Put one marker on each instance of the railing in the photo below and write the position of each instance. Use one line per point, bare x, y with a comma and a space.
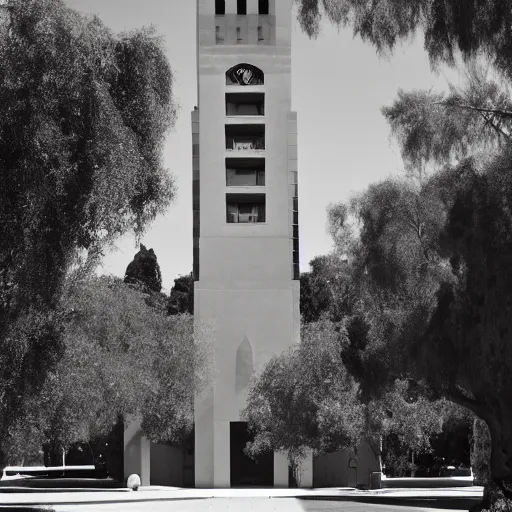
244, 218
233, 144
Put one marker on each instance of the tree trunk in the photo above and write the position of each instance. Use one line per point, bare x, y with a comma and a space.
501, 453
481, 452
373, 438
52, 454
498, 492
375, 443
413, 464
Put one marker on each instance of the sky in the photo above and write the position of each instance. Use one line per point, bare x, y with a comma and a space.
339, 87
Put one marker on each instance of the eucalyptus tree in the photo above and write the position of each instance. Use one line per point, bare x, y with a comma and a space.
122, 357
305, 398
83, 117
308, 399
434, 272
181, 298
450, 27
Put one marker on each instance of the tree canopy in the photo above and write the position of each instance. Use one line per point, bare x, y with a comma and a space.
430, 253
83, 116
122, 357
450, 27
144, 270
432, 260
181, 298
305, 398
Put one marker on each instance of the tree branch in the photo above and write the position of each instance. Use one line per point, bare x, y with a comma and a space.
494, 126
454, 394
482, 111
499, 112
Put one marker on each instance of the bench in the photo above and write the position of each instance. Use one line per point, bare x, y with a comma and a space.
15, 472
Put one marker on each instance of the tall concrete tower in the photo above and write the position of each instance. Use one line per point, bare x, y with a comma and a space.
246, 263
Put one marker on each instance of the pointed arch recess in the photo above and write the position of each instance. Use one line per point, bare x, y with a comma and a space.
244, 365
245, 74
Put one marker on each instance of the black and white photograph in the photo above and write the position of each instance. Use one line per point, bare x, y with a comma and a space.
256, 255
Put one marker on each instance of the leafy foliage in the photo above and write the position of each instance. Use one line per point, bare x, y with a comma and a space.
449, 26
83, 115
181, 299
122, 357
433, 257
433, 262
144, 270
473, 120
325, 289
305, 398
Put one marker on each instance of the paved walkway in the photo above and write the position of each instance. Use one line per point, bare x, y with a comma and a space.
249, 505
154, 495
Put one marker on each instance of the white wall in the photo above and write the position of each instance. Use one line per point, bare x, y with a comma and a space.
245, 288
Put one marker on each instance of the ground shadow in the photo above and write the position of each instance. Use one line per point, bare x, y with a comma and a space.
437, 503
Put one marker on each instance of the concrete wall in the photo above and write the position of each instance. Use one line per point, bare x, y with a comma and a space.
345, 468
245, 289
367, 463
136, 452
264, 319
330, 470
166, 465
433, 482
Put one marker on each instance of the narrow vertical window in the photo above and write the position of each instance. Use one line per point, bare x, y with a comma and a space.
241, 6
238, 35
218, 37
263, 6
260, 34
220, 7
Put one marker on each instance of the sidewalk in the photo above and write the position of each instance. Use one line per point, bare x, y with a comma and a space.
158, 494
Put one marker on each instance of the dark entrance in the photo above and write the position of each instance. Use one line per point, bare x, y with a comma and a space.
246, 472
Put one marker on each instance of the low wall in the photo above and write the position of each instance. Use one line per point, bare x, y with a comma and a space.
404, 483
344, 468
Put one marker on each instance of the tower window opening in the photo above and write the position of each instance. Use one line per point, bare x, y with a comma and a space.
241, 6
220, 7
263, 7
245, 104
245, 172
244, 74
238, 35
245, 208
250, 137
260, 34
245, 178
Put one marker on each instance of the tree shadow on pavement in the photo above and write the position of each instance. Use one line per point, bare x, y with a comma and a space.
307, 503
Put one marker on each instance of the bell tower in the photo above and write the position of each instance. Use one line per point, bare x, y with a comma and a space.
245, 202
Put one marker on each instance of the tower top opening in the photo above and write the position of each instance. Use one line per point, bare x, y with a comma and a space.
220, 7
